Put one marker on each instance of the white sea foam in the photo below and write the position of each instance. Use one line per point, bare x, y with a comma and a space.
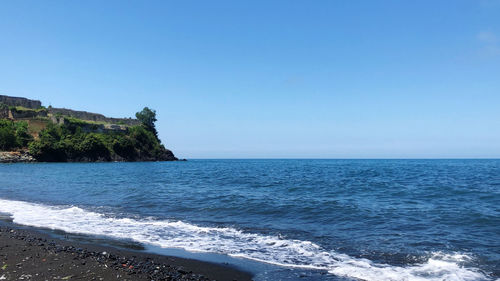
235, 243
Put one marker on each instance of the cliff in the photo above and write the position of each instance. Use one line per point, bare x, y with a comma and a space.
24, 102
33, 132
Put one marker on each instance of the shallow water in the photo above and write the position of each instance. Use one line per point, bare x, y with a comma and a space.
298, 219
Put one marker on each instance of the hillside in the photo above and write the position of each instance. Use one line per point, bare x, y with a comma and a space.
32, 132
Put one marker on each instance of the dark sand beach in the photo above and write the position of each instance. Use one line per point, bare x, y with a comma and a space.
32, 255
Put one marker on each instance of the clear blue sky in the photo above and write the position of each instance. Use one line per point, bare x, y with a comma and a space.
267, 79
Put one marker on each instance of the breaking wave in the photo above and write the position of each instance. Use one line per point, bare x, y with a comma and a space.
233, 242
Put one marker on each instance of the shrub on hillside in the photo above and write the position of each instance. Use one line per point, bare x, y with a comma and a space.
69, 143
77, 140
14, 135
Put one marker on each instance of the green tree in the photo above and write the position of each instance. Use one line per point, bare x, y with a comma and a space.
148, 118
94, 147
124, 147
8, 138
14, 135
50, 147
22, 135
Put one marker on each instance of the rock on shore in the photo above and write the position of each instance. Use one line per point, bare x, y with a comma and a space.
25, 157
15, 157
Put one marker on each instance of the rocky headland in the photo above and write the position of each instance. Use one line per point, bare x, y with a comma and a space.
30, 132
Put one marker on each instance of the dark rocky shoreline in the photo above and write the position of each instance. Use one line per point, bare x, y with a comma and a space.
25, 157
16, 157
30, 255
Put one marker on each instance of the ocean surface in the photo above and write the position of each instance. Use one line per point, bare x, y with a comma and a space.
281, 219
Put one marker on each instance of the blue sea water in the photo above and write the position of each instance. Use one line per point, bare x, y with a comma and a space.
299, 219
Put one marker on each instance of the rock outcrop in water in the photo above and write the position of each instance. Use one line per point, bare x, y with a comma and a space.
31, 132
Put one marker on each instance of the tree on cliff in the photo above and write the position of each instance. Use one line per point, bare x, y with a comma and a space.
14, 135
7, 135
148, 118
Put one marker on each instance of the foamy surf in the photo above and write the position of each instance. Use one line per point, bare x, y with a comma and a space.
235, 243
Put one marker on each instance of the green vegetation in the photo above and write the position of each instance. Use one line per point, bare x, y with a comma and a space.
81, 140
148, 118
70, 143
78, 140
14, 135
25, 109
80, 122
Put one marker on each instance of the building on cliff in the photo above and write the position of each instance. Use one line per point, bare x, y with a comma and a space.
38, 111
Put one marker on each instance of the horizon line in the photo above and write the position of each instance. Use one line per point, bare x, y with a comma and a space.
312, 158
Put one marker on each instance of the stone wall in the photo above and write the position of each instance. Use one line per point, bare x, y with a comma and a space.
35, 104
24, 102
28, 114
92, 128
84, 115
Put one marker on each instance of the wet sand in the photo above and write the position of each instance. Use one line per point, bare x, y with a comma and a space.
32, 255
